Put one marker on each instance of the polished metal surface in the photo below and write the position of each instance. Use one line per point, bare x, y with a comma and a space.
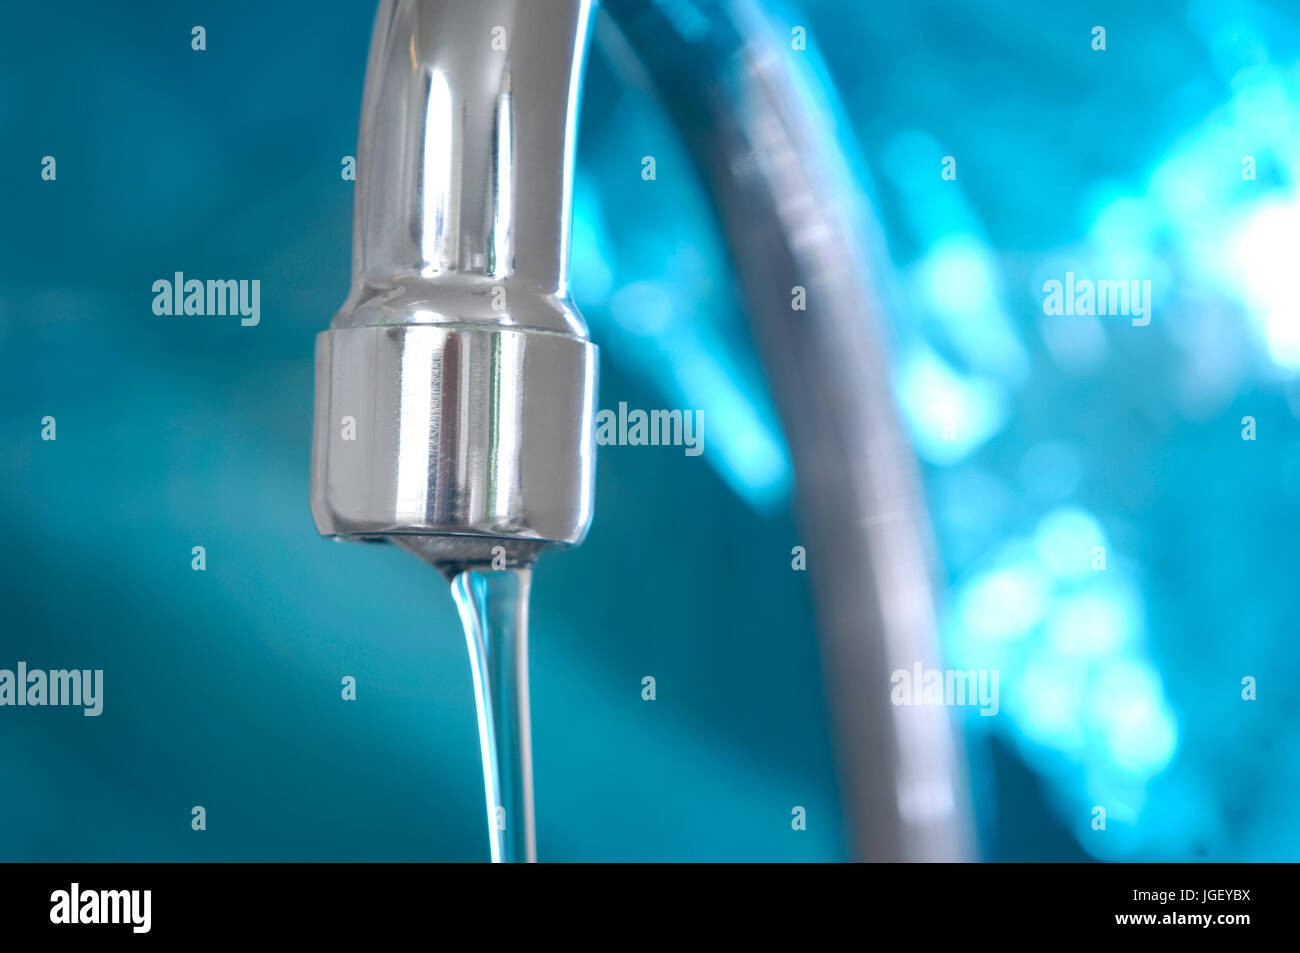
456, 386
459, 430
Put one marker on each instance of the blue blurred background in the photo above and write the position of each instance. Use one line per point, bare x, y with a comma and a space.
1039, 436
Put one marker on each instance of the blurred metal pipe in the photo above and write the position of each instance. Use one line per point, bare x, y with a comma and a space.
771, 158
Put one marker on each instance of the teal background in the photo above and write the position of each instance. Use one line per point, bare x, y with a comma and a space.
222, 688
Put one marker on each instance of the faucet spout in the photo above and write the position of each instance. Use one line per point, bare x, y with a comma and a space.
466, 151
456, 385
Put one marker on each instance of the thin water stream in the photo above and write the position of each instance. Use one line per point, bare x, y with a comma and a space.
493, 607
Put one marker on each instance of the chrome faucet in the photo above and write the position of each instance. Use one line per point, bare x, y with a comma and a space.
456, 386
